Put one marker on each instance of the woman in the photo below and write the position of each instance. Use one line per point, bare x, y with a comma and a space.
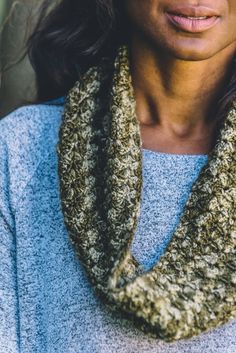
149, 111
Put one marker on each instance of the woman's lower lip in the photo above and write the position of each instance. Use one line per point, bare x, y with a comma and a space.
192, 25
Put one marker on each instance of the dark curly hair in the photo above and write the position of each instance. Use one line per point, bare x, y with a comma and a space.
75, 35
71, 38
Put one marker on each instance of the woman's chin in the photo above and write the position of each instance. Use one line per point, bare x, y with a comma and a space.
192, 51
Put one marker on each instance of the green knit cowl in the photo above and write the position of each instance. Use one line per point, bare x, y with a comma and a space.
192, 288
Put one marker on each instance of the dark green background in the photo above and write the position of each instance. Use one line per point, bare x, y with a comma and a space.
18, 82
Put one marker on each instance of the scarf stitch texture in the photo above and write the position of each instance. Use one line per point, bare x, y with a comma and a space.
193, 286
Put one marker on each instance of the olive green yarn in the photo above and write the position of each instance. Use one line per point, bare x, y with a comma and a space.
193, 287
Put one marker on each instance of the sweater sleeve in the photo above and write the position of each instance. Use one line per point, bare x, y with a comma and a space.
9, 316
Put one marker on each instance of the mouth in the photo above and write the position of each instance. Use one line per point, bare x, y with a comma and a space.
193, 19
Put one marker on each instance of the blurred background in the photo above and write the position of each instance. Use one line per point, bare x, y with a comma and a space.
17, 81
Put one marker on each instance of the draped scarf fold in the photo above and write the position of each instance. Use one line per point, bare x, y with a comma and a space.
192, 288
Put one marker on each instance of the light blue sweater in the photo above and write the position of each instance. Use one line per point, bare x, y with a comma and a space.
46, 303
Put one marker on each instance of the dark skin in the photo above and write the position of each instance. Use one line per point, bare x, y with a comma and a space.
178, 76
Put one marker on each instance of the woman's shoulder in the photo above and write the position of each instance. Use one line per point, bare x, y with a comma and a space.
30, 122
28, 136
31, 128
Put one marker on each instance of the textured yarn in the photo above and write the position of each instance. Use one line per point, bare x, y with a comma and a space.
193, 286
47, 304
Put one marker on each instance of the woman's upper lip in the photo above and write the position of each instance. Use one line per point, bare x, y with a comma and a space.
193, 11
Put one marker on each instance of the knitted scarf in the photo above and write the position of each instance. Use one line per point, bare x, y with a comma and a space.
193, 286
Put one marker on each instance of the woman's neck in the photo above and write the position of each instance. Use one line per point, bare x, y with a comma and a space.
177, 99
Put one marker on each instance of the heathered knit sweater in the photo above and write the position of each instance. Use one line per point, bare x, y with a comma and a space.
47, 304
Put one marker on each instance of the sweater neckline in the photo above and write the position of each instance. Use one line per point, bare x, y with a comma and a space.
173, 155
